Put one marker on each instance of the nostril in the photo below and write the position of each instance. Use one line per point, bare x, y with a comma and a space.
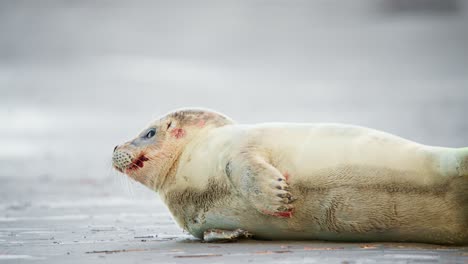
116, 148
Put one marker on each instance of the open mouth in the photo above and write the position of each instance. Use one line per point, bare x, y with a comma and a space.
137, 163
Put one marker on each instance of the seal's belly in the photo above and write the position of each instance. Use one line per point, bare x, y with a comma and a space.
352, 213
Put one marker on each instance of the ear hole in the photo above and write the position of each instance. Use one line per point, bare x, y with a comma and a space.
169, 125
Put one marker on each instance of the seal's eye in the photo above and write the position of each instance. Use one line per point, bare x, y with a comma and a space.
150, 133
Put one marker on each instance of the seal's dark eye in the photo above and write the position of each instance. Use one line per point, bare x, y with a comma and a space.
150, 133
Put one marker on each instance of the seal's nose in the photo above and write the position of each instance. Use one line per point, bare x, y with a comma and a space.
116, 148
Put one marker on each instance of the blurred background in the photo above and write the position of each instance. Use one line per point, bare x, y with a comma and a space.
79, 77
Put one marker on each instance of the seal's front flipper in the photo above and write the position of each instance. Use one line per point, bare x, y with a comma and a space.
220, 236
262, 184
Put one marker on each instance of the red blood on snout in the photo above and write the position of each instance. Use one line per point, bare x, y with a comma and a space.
139, 163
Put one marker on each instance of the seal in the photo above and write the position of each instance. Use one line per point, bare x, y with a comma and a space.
222, 181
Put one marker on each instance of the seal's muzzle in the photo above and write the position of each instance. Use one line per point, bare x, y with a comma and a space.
121, 159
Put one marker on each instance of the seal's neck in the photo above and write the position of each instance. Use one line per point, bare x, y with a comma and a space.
167, 161
174, 153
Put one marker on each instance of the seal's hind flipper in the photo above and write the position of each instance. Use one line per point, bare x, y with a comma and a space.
221, 236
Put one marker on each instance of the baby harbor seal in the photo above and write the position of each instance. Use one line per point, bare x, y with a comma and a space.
222, 181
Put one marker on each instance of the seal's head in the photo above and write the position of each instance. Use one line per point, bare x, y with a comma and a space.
153, 155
